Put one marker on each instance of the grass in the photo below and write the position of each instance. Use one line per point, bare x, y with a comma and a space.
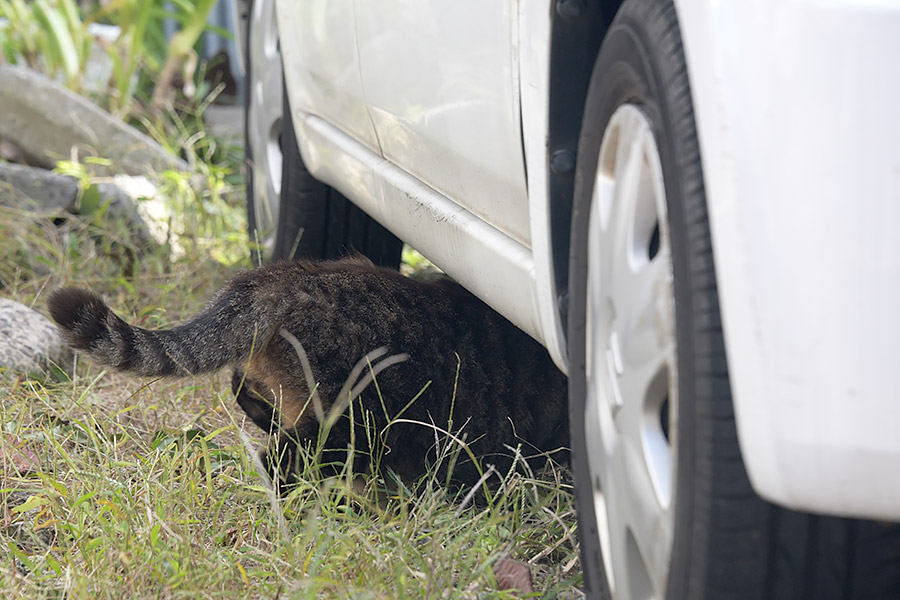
114, 485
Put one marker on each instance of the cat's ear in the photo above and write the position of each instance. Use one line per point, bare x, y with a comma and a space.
357, 259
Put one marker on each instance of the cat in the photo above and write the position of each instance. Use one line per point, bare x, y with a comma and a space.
449, 349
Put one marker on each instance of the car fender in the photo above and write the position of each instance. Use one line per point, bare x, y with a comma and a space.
795, 105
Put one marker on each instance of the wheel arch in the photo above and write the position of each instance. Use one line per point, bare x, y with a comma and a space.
578, 28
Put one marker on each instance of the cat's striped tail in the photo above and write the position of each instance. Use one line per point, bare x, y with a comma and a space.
222, 334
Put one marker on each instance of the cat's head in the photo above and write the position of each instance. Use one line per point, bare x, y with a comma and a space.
279, 459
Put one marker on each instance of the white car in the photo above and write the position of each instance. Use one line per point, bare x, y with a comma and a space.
691, 203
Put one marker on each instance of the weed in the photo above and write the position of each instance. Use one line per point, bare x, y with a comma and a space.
146, 487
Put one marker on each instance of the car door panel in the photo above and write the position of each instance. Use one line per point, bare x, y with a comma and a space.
323, 75
456, 124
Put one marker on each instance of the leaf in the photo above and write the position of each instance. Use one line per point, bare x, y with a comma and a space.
31, 503
17, 552
90, 201
53, 564
84, 498
60, 38
192, 434
63, 490
163, 439
97, 160
243, 574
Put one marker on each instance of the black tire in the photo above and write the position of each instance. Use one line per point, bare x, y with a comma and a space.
728, 543
314, 220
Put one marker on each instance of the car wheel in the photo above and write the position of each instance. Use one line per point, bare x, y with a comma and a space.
665, 506
289, 213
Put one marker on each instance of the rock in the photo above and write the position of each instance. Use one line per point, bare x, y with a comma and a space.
120, 204
46, 121
29, 342
10, 152
31, 187
24, 186
226, 121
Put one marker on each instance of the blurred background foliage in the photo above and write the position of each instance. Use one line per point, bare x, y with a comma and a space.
63, 39
139, 59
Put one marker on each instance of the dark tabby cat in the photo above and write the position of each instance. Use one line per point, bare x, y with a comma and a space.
501, 385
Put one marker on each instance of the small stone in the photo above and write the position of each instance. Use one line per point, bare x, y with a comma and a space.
16, 456
10, 152
29, 342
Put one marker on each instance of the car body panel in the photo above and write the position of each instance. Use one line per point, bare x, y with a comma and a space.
322, 74
456, 126
800, 135
534, 77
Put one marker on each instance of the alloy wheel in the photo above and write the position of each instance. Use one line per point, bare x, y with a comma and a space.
631, 363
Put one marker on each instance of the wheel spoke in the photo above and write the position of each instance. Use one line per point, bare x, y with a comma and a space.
648, 521
648, 328
628, 163
638, 528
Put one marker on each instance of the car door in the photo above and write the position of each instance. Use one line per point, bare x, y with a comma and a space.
323, 70
441, 85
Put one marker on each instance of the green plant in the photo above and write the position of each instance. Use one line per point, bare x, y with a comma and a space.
47, 35
114, 501
180, 50
129, 49
53, 36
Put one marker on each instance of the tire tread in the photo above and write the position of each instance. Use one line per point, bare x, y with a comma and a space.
318, 222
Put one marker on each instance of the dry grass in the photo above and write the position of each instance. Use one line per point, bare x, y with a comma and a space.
115, 486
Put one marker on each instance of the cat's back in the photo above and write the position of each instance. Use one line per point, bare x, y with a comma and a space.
460, 352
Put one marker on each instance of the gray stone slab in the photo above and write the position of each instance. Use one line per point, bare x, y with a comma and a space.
120, 205
35, 188
226, 121
29, 186
47, 121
